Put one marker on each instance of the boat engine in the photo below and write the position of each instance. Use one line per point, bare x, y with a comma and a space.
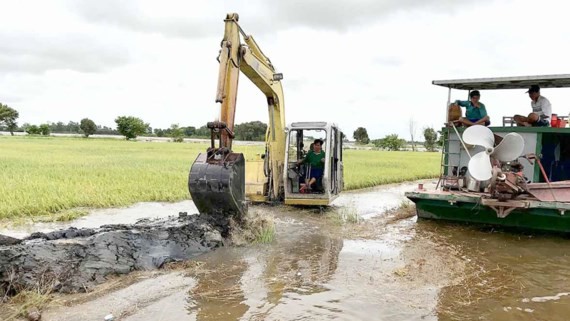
507, 181
497, 163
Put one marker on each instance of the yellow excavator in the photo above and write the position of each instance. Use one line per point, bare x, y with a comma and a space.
220, 181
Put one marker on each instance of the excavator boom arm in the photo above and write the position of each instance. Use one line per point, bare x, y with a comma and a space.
218, 176
249, 59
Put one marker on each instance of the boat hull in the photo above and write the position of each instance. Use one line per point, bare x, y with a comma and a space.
535, 215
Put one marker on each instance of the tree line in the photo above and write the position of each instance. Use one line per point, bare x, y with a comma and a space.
128, 126
132, 127
395, 143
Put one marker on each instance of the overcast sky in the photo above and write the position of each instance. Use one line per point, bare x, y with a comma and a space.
363, 63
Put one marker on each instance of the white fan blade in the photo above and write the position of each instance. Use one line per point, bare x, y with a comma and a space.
510, 148
479, 135
480, 167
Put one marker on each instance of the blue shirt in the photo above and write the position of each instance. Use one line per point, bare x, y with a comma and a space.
472, 112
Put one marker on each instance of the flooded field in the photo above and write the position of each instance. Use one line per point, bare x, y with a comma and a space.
383, 267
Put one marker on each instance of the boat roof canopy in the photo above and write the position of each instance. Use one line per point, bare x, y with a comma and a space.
524, 82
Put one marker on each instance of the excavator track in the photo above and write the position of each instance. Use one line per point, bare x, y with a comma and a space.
217, 184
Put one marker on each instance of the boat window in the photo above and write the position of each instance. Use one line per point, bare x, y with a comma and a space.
556, 156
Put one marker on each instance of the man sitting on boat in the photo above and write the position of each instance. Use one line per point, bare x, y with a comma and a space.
541, 110
475, 113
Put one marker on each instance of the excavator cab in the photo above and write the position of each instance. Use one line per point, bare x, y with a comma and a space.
300, 137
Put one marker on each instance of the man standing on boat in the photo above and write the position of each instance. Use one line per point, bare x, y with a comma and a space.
475, 112
541, 110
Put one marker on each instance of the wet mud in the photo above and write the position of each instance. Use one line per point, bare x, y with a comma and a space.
74, 260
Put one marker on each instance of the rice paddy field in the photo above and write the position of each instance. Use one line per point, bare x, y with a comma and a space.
41, 176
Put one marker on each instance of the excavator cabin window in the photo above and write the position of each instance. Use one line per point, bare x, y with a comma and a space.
306, 171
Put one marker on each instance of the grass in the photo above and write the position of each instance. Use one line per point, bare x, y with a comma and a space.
51, 177
256, 227
26, 303
42, 176
365, 168
406, 210
344, 215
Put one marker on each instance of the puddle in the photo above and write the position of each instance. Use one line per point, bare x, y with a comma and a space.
98, 217
374, 201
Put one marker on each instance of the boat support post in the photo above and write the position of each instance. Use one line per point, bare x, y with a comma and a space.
503, 209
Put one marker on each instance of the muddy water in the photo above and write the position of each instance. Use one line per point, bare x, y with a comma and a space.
509, 276
96, 218
311, 272
382, 268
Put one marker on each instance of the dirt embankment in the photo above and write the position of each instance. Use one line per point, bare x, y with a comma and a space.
74, 260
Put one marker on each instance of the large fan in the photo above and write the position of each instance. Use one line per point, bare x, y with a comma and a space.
510, 148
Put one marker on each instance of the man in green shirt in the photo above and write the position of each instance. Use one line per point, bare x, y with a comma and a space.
475, 113
316, 159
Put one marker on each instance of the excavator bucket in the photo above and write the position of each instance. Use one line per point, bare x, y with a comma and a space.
217, 186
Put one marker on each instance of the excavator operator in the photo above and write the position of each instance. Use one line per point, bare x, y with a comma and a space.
316, 160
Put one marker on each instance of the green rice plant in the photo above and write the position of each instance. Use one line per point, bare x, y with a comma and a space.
343, 215
368, 168
258, 226
43, 176
266, 235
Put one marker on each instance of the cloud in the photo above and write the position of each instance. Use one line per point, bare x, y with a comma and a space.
135, 16
358, 63
341, 15
389, 61
37, 53
184, 19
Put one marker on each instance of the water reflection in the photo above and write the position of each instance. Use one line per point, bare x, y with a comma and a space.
217, 294
510, 276
234, 284
436, 272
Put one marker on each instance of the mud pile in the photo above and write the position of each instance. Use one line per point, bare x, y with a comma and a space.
74, 260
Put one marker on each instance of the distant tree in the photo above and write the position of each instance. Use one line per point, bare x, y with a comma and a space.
176, 133
88, 127
8, 117
73, 127
430, 136
130, 126
44, 129
390, 142
12, 127
159, 132
250, 131
32, 129
361, 135
59, 127
203, 131
442, 137
189, 131
104, 130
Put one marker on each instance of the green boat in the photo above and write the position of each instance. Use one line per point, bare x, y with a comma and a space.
508, 176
